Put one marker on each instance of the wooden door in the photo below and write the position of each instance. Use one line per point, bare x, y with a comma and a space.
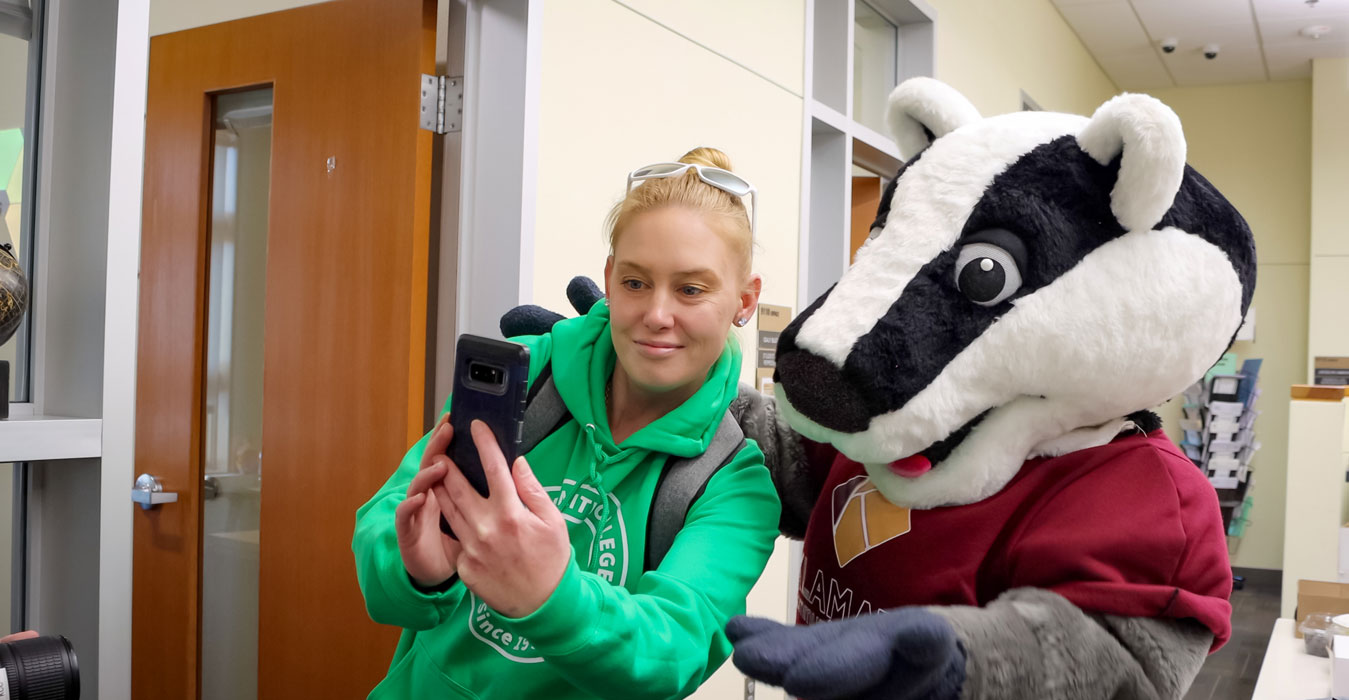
866, 198
344, 329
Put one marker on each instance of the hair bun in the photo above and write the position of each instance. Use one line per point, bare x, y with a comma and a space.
706, 155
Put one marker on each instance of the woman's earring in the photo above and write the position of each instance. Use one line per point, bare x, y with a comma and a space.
606, 301
740, 322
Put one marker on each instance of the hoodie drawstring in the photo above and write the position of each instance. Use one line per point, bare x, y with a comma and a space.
595, 479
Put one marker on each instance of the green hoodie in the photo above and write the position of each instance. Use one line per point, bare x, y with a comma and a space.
610, 629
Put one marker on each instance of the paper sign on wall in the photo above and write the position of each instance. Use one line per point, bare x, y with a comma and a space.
772, 321
1247, 330
1332, 371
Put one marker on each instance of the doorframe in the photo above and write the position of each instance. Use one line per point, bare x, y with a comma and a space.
121, 321
497, 38
486, 256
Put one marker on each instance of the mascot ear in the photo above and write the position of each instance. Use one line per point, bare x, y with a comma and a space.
1148, 133
923, 110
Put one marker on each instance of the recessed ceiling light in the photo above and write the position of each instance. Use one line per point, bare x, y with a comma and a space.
1315, 31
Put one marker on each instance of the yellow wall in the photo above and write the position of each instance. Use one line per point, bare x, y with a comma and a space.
14, 73
765, 37
176, 15
1329, 334
630, 83
991, 50
1254, 143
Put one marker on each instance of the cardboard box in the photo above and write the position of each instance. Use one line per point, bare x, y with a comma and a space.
1318, 597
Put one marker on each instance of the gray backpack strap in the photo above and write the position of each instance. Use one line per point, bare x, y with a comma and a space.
682, 483
544, 411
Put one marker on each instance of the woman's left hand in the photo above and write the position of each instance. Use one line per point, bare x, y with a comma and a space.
515, 545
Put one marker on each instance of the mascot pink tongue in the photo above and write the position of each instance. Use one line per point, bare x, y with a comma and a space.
910, 467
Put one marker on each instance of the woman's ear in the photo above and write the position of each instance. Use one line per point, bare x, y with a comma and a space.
749, 297
608, 270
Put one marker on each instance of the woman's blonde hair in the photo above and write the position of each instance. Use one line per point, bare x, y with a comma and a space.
687, 190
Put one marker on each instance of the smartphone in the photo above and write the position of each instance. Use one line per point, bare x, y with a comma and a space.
490, 378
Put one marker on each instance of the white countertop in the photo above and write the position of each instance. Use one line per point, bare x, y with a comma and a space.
1289, 672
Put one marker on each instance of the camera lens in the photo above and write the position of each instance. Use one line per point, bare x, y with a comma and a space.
486, 374
43, 667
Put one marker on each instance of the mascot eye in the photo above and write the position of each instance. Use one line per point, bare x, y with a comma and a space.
986, 274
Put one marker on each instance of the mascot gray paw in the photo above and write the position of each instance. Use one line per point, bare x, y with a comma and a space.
905, 654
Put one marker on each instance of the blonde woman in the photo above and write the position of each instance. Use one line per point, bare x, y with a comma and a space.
546, 593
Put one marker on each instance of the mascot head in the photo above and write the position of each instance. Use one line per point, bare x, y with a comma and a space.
1033, 284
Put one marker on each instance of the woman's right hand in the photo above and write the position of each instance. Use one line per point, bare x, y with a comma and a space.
428, 554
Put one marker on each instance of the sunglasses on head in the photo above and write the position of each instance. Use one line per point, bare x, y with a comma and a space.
724, 180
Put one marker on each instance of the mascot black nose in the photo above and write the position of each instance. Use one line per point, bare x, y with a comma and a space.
818, 390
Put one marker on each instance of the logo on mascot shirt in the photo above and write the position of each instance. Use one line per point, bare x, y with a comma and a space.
863, 519
580, 507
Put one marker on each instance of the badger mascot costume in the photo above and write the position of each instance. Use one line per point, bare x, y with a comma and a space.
961, 430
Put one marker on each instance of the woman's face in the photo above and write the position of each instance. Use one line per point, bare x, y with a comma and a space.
674, 287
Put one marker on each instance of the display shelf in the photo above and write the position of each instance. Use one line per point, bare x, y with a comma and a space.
30, 438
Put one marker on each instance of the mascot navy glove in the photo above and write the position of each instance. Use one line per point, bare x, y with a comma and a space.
529, 319
905, 654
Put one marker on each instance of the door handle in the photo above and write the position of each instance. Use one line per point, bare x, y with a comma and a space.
149, 493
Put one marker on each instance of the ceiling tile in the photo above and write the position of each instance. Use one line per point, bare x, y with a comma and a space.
1192, 18
1139, 69
1106, 28
1275, 31
1259, 39
1236, 64
1289, 60
1298, 9
1224, 35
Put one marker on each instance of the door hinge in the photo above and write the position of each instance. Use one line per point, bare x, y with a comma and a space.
442, 103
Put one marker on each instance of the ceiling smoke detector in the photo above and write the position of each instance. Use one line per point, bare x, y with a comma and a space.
1315, 31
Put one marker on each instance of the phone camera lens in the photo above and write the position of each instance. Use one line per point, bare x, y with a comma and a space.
484, 373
